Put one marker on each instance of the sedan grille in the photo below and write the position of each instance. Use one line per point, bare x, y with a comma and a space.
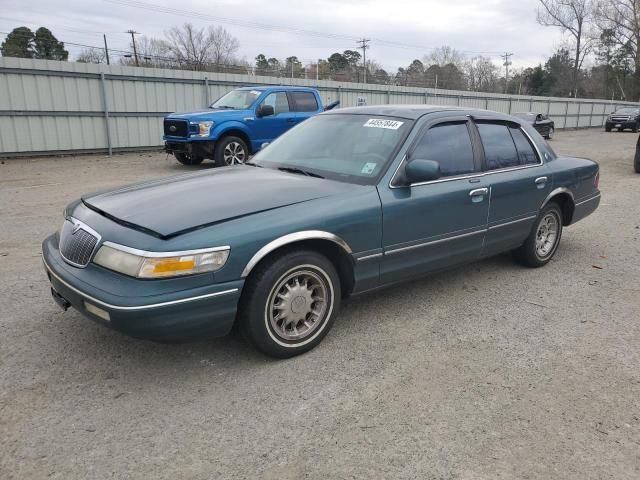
77, 243
176, 128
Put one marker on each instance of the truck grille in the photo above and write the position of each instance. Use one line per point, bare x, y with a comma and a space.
620, 118
77, 244
176, 128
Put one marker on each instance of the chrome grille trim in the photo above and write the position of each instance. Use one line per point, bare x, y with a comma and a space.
78, 242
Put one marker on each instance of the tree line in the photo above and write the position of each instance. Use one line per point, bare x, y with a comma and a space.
599, 58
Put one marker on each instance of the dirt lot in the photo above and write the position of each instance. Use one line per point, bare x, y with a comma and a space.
489, 371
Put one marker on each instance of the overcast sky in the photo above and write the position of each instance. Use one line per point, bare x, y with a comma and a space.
473, 26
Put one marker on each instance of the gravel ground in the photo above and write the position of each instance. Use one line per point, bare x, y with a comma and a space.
488, 371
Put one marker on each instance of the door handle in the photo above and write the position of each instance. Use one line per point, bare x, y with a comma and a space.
478, 192
540, 180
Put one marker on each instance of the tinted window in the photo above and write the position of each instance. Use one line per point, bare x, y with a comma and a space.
499, 149
304, 101
448, 144
278, 101
526, 153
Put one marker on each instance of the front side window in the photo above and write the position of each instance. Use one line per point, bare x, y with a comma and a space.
499, 149
279, 102
449, 144
350, 148
304, 101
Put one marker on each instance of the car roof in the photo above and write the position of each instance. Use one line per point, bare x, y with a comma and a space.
262, 88
414, 112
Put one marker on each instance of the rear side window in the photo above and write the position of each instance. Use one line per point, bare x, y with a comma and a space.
449, 144
304, 101
499, 149
526, 153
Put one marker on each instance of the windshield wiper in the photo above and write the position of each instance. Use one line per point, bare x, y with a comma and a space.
299, 171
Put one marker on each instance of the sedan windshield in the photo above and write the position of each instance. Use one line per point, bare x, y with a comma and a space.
348, 148
236, 100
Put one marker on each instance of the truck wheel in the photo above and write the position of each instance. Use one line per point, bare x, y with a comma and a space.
607, 128
231, 151
636, 163
188, 159
289, 303
635, 128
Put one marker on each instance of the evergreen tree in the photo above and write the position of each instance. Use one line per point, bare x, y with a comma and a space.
19, 43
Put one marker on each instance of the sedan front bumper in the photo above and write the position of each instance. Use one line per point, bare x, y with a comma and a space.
176, 316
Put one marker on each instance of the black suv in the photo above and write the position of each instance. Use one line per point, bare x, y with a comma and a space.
623, 119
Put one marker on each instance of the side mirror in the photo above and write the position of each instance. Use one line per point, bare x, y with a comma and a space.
418, 171
265, 110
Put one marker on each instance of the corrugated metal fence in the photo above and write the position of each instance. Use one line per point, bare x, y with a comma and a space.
62, 107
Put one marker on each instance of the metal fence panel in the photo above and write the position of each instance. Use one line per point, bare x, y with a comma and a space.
48, 106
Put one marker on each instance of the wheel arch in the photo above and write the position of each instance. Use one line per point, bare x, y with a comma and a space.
330, 245
563, 197
236, 132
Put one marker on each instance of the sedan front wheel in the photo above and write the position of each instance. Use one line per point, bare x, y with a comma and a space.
289, 303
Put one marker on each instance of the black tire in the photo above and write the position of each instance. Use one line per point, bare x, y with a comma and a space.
529, 254
188, 159
285, 273
234, 144
635, 128
636, 161
550, 133
607, 129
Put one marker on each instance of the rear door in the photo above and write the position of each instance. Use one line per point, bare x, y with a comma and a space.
436, 224
519, 182
266, 129
305, 104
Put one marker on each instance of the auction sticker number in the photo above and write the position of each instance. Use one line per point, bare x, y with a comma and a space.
381, 123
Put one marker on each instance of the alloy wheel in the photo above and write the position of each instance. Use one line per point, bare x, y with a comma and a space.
299, 303
234, 154
547, 235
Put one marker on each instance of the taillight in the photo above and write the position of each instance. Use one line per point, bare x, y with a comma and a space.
596, 180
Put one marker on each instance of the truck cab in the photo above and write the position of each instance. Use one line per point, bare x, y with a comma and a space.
237, 124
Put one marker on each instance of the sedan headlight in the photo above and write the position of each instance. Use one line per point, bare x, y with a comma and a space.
204, 128
140, 264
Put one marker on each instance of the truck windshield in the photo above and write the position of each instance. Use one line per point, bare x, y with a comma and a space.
350, 148
236, 100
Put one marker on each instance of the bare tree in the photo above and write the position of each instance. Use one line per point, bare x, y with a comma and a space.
482, 74
574, 17
621, 20
444, 55
91, 55
196, 48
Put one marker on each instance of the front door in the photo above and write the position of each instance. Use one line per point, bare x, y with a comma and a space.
266, 129
436, 224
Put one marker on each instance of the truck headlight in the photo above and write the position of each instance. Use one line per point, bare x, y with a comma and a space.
204, 128
140, 264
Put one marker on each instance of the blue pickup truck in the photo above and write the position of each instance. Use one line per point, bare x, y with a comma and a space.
239, 123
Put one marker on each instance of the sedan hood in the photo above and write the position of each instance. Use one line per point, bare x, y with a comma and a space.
176, 205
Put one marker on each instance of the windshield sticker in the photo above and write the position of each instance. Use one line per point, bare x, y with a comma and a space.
380, 123
369, 167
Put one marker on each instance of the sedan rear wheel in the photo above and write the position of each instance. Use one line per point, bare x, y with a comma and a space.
289, 303
543, 241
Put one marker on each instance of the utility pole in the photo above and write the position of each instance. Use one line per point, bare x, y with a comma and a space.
106, 49
506, 64
318, 70
364, 44
133, 41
